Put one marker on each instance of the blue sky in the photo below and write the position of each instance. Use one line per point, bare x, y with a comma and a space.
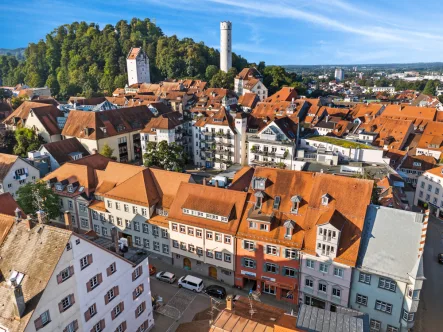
277, 31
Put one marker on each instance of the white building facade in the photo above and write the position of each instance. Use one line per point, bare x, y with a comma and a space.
137, 64
17, 172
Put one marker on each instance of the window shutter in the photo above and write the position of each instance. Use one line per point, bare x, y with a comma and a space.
140, 270
136, 312
106, 299
124, 326
102, 324
60, 307
243, 244
38, 323
276, 268
134, 294
243, 262
65, 329
59, 278
71, 271
283, 271
88, 286
76, 325
144, 305
264, 267
142, 288
255, 263
113, 314
87, 315
116, 291
122, 306
72, 299
133, 275
108, 271
89, 258
99, 278
264, 249
278, 251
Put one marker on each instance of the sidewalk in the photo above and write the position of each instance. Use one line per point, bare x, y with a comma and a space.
161, 265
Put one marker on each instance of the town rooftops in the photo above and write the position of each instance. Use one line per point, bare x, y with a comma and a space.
248, 73
165, 121
34, 253
86, 101
6, 220
61, 150
391, 132
420, 115
379, 254
420, 163
8, 205
210, 202
284, 94
98, 125
438, 171
248, 100
47, 115
6, 162
133, 53
432, 137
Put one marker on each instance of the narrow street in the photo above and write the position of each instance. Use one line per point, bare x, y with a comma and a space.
430, 311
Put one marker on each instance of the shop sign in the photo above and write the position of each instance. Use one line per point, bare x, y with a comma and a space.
268, 278
247, 273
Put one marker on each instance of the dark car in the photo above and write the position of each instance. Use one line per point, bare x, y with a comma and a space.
440, 258
215, 291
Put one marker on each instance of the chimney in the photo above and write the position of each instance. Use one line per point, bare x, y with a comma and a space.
18, 299
18, 214
216, 183
204, 181
229, 302
28, 223
68, 220
114, 236
41, 217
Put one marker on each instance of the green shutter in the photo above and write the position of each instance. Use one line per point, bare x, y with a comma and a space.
264, 267
243, 262
276, 268
255, 264
283, 271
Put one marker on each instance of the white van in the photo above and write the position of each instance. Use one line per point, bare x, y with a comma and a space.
192, 283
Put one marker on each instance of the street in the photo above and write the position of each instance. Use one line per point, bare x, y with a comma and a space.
181, 305
429, 316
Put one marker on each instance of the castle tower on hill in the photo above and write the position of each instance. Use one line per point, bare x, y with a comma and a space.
137, 64
225, 46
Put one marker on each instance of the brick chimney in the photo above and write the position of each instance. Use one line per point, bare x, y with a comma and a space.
18, 214
114, 236
229, 302
68, 220
18, 299
41, 217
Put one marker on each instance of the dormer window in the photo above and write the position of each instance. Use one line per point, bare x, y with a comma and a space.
295, 200
276, 202
70, 188
289, 228
325, 199
259, 199
258, 183
58, 186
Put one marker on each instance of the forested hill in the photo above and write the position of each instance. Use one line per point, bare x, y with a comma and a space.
79, 58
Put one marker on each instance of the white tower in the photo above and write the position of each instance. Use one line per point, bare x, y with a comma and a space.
137, 64
225, 46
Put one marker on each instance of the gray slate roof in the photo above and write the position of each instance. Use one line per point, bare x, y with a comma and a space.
390, 242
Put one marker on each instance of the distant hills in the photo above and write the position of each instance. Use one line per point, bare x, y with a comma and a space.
19, 53
418, 66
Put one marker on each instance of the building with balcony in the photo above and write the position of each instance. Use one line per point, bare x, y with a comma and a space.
136, 201
219, 139
249, 80
74, 183
274, 145
15, 172
388, 279
56, 280
203, 221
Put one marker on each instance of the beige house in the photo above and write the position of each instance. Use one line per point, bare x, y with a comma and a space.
15, 172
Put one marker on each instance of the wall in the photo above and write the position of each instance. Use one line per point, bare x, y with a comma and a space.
11, 185
34, 123
76, 284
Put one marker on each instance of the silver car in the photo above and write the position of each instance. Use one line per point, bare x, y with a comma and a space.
166, 277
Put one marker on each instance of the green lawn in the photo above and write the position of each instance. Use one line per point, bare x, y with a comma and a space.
341, 142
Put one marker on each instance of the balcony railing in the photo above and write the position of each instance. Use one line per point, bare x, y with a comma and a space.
259, 140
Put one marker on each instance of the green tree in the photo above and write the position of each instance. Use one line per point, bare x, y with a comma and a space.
5, 94
17, 101
26, 140
211, 70
167, 156
7, 141
33, 197
107, 151
224, 80
430, 87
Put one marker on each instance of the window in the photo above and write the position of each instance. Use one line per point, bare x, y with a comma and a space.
250, 263
146, 228
117, 310
289, 272
198, 233
119, 221
110, 295
361, 299
383, 306
66, 302
65, 274
97, 229
324, 268
165, 248
98, 327
155, 230
322, 287
112, 268
44, 317
252, 224
227, 258
191, 231
126, 207
391, 328
227, 239
93, 282
336, 292
310, 263
140, 309
128, 224
146, 243
137, 241
104, 231
264, 227
134, 210
174, 227
271, 268
271, 250
387, 284
218, 255
209, 253
136, 226
429, 187
109, 204
413, 294
218, 237
156, 246
365, 278
85, 261
338, 272
117, 205
95, 215
309, 283
199, 251
375, 325
291, 253
248, 245
144, 212
422, 185
72, 327
408, 316
164, 233
209, 235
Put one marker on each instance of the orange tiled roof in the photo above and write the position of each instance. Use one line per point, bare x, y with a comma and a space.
284, 94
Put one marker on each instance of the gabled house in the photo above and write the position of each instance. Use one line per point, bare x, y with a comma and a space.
249, 80
15, 172
8, 206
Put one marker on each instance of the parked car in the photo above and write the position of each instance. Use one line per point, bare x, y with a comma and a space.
215, 291
192, 283
166, 277
440, 258
152, 270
